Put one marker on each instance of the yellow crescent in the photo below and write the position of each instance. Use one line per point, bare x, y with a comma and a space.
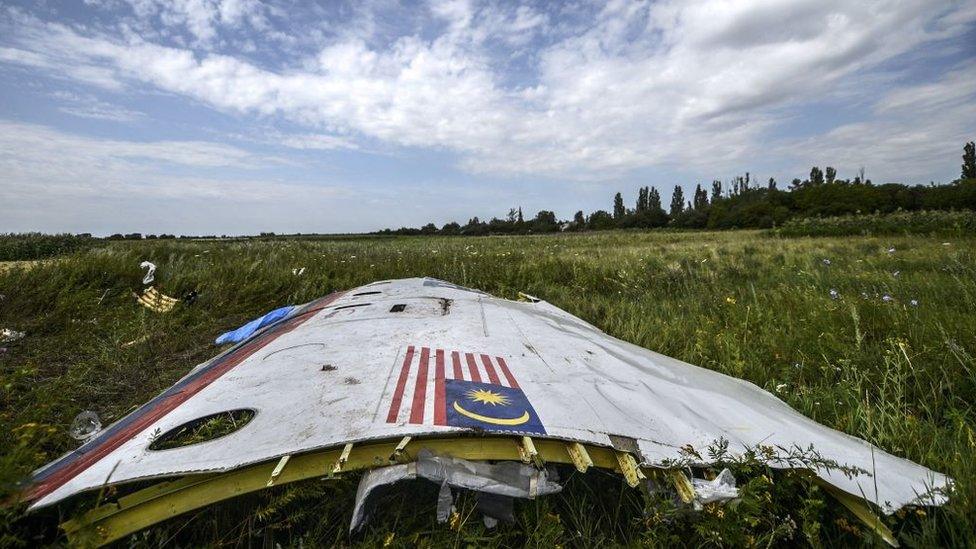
493, 420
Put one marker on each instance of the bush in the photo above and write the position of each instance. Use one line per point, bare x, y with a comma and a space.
900, 222
27, 246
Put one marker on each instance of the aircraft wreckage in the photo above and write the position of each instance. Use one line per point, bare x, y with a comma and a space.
420, 377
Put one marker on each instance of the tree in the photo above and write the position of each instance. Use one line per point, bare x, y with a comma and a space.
654, 201
677, 201
772, 184
451, 228
600, 220
642, 198
619, 211
716, 190
429, 228
579, 222
816, 176
701, 198
831, 175
969, 161
521, 220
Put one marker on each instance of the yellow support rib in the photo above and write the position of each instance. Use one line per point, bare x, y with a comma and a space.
628, 467
157, 503
861, 510
581, 459
684, 487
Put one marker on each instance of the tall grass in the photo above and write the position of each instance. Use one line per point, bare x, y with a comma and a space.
898, 372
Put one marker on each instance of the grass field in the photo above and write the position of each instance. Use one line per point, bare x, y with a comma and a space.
897, 371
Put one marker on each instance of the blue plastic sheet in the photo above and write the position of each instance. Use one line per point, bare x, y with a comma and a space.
245, 331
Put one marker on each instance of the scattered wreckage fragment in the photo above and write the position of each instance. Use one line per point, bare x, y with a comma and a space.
423, 371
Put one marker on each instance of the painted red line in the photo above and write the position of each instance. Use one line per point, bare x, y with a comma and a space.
508, 374
492, 375
72, 470
420, 390
391, 417
472, 367
440, 411
456, 359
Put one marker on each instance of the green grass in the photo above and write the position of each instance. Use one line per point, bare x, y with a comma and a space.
748, 304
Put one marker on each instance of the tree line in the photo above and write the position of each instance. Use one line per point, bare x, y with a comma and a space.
741, 202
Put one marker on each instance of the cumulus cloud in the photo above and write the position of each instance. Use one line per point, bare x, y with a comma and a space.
602, 89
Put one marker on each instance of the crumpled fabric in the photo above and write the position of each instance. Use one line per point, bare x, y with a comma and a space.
495, 483
247, 330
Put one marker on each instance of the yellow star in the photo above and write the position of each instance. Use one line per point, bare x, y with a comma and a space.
488, 397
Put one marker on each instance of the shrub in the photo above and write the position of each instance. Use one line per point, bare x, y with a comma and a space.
900, 222
27, 246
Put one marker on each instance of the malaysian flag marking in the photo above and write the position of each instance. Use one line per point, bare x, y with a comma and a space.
457, 389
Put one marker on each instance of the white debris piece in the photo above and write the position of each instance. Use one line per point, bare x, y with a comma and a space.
150, 273
720, 488
424, 358
8, 336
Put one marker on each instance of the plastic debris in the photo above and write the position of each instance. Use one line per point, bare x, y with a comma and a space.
247, 330
150, 274
445, 503
721, 488
85, 426
7, 335
495, 483
155, 301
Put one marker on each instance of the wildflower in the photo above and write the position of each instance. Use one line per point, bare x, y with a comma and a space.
896, 273
730, 300
887, 298
826, 262
891, 250
780, 387
913, 303
834, 294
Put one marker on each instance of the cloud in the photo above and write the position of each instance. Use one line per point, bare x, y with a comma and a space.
914, 128
89, 106
603, 89
55, 180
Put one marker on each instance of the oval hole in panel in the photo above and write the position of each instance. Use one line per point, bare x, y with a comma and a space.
203, 429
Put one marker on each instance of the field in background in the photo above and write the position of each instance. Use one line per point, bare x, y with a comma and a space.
870, 335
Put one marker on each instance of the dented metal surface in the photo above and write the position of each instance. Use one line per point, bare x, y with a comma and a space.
420, 358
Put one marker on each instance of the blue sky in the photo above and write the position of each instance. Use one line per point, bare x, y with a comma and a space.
241, 116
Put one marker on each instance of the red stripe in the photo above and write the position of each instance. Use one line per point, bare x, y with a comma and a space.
420, 390
508, 375
58, 479
440, 412
391, 417
456, 359
472, 367
492, 375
